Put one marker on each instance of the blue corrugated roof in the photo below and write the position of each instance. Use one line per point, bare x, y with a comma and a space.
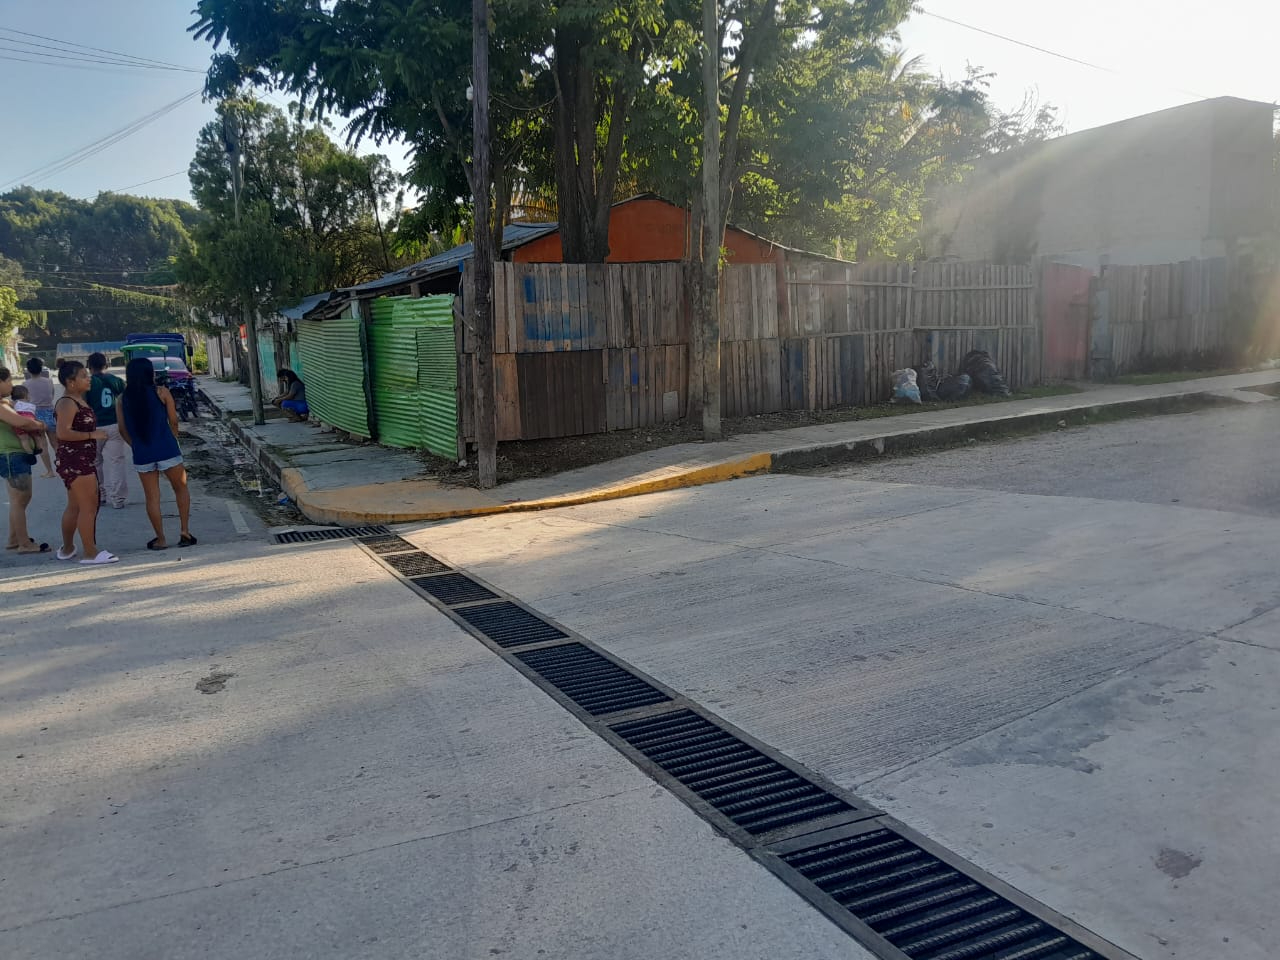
304, 306
513, 235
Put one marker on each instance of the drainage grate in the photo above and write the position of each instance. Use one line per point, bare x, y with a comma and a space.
415, 564
330, 533
385, 545
901, 896
755, 792
507, 624
925, 907
451, 588
595, 683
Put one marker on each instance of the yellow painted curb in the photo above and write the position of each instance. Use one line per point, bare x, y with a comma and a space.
312, 505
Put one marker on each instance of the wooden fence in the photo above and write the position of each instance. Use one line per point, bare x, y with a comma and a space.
1154, 316
588, 348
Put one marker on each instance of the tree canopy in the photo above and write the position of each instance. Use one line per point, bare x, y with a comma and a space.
831, 139
310, 212
94, 269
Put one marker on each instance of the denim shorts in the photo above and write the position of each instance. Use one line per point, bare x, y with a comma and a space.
48, 418
13, 466
160, 466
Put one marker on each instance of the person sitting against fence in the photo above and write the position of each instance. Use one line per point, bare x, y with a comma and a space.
294, 399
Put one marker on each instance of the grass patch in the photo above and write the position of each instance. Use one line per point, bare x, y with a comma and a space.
1172, 376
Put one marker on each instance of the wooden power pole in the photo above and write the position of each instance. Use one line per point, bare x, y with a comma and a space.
482, 262
711, 232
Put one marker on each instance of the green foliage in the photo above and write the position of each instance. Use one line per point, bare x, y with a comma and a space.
92, 270
309, 212
830, 139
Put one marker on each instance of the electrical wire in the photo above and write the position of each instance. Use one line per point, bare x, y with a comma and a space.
1046, 50
167, 176
136, 72
76, 57
62, 44
68, 161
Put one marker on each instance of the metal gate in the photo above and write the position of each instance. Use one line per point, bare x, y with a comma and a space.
1064, 291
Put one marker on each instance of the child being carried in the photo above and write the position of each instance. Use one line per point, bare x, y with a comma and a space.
24, 408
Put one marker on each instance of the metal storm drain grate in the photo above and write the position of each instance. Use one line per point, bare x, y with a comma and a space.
451, 588
755, 792
415, 564
900, 895
330, 533
509, 625
388, 544
595, 683
923, 906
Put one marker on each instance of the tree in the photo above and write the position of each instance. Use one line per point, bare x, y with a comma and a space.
13, 288
310, 212
401, 68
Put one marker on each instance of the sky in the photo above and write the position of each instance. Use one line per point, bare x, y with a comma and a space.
1145, 54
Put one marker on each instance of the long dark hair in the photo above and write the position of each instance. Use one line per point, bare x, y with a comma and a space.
139, 387
288, 376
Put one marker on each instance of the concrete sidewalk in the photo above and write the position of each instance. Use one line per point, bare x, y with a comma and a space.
337, 481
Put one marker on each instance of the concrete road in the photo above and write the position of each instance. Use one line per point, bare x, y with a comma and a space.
1223, 458
364, 781
1077, 693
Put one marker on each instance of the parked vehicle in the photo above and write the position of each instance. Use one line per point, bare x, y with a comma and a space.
168, 355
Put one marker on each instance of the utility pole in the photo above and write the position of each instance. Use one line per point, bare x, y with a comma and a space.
231, 139
711, 232
482, 244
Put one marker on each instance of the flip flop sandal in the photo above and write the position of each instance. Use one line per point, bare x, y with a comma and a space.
103, 557
41, 548
186, 540
151, 544
70, 556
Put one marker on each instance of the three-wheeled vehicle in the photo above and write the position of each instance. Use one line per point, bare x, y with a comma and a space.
168, 355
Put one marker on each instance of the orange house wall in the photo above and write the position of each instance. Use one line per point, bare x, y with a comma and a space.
650, 230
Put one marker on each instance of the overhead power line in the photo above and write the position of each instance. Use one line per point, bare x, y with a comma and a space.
134, 71
1045, 50
97, 146
143, 183
84, 51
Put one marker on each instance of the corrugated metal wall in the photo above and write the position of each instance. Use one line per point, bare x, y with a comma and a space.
333, 355
415, 372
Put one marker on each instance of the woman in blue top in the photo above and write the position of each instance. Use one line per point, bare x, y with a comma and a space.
148, 423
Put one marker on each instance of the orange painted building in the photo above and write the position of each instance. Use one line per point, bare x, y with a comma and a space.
648, 229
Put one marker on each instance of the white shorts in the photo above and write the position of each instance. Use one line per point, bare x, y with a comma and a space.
160, 466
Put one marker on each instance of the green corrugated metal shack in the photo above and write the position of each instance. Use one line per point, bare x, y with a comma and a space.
415, 373
333, 354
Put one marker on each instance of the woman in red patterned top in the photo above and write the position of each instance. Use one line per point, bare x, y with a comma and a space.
78, 438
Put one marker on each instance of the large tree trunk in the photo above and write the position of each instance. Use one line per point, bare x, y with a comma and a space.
585, 175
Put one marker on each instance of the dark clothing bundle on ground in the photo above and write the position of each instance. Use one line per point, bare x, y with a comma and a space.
977, 372
982, 371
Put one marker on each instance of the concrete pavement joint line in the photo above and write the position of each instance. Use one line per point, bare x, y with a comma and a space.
337, 858
765, 803
1248, 643
1253, 616
1133, 668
